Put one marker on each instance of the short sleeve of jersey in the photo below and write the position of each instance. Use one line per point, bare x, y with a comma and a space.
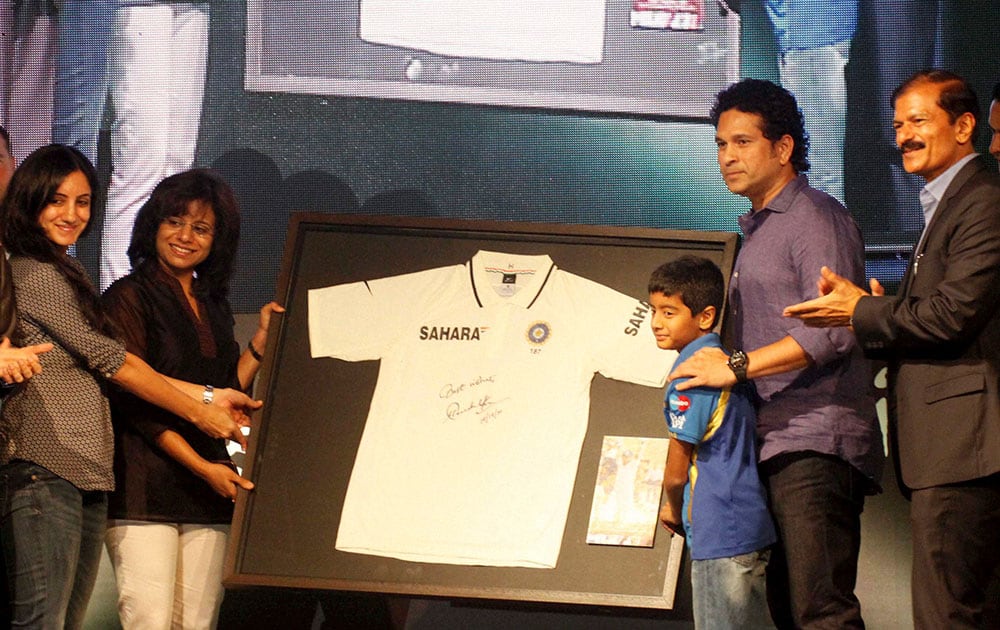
625, 348
689, 412
343, 322
359, 320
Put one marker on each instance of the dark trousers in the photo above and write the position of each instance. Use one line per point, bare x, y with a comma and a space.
816, 501
956, 549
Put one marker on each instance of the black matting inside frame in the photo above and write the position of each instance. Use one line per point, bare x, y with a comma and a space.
303, 444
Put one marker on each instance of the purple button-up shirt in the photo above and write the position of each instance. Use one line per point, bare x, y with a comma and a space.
828, 407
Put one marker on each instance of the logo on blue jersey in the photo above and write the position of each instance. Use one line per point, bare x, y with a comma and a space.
539, 333
677, 404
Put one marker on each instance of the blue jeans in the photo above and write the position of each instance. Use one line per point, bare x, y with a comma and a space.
81, 82
816, 77
52, 535
730, 592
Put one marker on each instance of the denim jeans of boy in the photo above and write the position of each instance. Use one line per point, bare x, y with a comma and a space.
52, 535
731, 592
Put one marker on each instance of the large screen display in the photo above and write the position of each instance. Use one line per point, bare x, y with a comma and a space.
317, 105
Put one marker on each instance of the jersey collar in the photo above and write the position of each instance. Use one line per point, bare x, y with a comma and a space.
500, 278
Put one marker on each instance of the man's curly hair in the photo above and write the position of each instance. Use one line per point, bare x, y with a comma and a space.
776, 106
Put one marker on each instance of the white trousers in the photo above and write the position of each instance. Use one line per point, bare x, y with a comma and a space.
157, 68
169, 575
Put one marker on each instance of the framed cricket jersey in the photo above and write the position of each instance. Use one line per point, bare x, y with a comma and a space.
436, 402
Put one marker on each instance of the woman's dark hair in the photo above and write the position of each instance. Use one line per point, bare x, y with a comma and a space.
171, 198
31, 189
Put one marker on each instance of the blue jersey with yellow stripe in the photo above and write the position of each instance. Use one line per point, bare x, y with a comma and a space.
725, 509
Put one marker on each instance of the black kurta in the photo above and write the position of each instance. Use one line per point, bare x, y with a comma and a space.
158, 325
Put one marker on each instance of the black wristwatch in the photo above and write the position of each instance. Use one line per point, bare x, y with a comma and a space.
738, 363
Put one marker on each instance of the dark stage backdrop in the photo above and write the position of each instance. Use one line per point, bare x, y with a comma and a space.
288, 151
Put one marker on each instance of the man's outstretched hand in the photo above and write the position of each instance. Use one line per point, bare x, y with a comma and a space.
835, 306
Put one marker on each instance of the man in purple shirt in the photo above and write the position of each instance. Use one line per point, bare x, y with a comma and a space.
821, 446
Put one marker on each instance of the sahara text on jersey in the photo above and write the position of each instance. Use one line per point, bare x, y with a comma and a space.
449, 333
637, 319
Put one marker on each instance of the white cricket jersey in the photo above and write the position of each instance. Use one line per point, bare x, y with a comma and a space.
524, 30
470, 450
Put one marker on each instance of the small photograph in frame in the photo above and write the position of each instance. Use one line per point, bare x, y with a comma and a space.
627, 492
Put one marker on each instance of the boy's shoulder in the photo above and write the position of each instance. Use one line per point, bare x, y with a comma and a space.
688, 412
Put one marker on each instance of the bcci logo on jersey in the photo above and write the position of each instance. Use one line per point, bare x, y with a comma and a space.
677, 405
539, 333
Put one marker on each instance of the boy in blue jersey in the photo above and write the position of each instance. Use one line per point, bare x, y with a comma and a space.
713, 494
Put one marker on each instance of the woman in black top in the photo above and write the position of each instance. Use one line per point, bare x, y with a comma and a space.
175, 487
56, 439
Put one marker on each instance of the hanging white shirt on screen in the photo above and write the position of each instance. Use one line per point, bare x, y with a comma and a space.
521, 30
